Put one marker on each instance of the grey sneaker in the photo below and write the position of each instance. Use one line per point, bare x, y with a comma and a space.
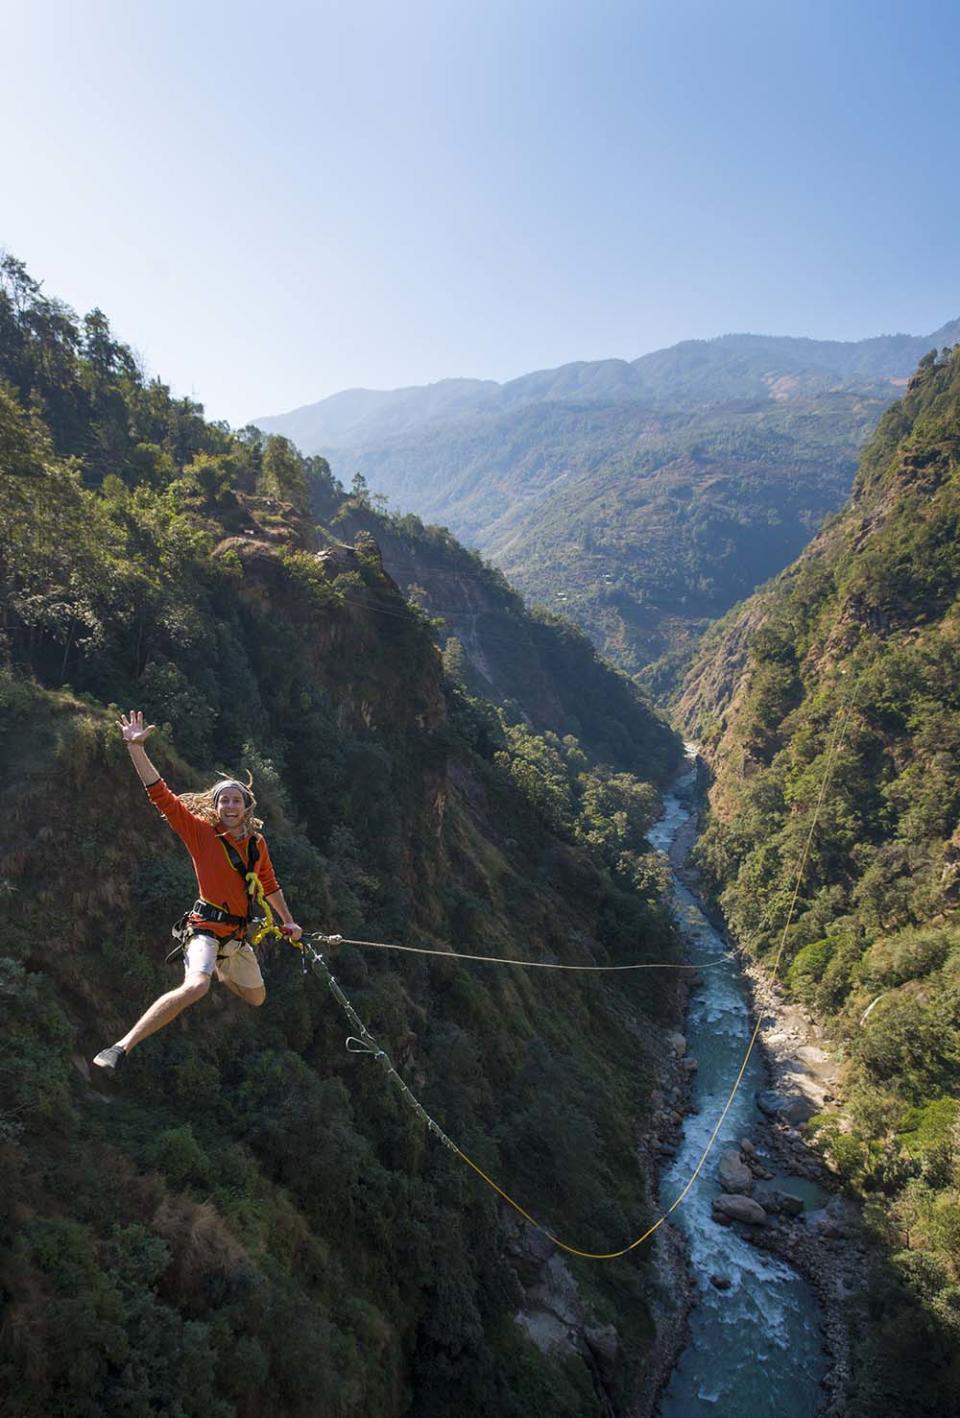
110, 1059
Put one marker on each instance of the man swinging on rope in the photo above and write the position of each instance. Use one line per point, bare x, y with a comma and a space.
218, 829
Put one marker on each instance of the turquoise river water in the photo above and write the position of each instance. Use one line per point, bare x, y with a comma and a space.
755, 1349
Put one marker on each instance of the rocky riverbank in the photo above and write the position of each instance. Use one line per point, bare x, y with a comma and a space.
826, 1244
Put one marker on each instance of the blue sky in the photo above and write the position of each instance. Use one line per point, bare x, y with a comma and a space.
274, 202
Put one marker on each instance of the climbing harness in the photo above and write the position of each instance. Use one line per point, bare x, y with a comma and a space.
207, 912
363, 1041
255, 892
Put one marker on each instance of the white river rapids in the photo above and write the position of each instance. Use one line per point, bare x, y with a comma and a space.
755, 1349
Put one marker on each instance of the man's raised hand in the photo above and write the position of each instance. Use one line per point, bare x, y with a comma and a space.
133, 728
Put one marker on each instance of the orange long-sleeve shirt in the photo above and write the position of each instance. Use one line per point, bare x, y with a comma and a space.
217, 880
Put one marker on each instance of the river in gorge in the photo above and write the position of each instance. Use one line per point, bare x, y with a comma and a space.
755, 1349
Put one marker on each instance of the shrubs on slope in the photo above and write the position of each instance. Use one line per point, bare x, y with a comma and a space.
256, 1224
863, 636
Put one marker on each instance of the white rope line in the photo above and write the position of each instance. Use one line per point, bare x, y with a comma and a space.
526, 964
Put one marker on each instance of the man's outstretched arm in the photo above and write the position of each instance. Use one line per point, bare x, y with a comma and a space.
135, 733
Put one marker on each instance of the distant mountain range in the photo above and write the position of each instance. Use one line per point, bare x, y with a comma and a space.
643, 498
697, 371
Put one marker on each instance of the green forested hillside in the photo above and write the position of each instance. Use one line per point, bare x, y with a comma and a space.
861, 638
647, 550
537, 666
253, 1223
640, 499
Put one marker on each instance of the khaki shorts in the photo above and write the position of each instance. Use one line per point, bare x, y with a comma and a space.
237, 961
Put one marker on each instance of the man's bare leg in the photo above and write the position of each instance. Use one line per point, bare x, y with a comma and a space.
255, 995
164, 1010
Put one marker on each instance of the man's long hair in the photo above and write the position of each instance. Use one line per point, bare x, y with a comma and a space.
204, 805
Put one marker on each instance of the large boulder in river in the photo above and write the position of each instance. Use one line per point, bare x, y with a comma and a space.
781, 1203
739, 1208
733, 1173
790, 1108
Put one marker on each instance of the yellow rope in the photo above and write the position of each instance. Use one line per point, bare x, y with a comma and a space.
256, 893
682, 1195
613, 1255
370, 1045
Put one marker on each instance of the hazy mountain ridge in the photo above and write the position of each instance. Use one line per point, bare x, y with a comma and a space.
686, 371
641, 498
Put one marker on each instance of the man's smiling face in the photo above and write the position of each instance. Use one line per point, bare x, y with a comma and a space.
230, 809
